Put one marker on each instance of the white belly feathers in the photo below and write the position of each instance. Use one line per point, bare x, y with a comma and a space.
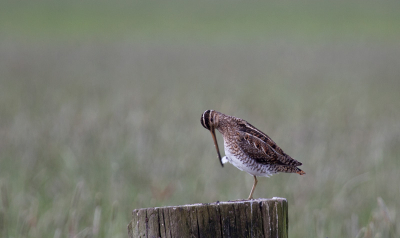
253, 169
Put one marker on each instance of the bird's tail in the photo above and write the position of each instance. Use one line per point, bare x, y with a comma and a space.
299, 171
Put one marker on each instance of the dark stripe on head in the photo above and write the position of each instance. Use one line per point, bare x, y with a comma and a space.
205, 119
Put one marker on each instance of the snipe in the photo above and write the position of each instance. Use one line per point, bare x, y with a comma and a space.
248, 148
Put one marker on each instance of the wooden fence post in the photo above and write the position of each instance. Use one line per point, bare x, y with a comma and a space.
244, 218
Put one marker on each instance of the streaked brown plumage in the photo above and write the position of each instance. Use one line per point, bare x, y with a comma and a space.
248, 148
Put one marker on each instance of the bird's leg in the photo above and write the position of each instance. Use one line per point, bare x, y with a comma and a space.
252, 190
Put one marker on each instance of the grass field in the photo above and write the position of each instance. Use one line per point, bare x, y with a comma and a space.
100, 107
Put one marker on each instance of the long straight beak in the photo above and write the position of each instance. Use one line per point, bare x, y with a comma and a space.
216, 145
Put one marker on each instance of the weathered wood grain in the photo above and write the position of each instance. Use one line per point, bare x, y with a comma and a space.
243, 218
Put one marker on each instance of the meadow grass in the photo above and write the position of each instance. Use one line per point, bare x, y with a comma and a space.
100, 109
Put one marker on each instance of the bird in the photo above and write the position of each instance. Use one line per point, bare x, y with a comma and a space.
248, 148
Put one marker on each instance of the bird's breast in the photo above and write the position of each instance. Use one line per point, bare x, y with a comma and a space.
243, 162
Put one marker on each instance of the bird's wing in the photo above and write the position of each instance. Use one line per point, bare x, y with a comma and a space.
258, 149
261, 147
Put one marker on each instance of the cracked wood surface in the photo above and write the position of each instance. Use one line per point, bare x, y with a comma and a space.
243, 218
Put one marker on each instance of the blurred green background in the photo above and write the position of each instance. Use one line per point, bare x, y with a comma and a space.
100, 105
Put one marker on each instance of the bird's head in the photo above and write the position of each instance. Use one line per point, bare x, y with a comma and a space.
209, 120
